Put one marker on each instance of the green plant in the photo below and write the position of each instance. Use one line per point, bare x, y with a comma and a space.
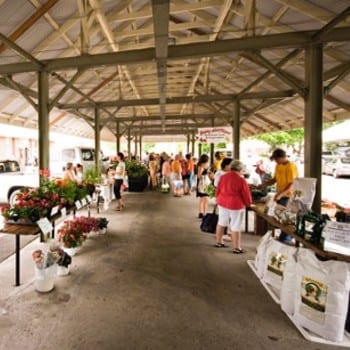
135, 169
92, 176
102, 223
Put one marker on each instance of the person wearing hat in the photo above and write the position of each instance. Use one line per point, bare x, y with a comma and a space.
285, 173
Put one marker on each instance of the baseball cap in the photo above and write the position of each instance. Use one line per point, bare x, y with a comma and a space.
278, 153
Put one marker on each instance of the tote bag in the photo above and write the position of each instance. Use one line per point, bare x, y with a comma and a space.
203, 184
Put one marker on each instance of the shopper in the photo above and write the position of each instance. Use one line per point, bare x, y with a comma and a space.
118, 181
190, 172
225, 167
218, 159
69, 172
233, 196
203, 174
79, 173
153, 167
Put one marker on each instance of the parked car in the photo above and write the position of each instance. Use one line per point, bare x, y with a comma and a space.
337, 166
13, 180
76, 155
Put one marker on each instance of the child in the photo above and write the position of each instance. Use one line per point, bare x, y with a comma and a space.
178, 188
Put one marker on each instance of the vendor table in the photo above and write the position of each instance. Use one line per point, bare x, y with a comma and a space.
259, 210
18, 230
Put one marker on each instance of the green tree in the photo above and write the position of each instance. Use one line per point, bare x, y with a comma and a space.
292, 138
147, 146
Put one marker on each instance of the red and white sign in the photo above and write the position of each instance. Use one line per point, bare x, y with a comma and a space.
215, 134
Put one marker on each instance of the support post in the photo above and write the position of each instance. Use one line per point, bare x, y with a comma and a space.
212, 146
129, 144
118, 137
140, 147
193, 140
236, 130
97, 140
43, 129
313, 118
135, 145
199, 149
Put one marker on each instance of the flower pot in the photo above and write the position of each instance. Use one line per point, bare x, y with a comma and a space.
45, 278
138, 184
70, 251
62, 270
103, 230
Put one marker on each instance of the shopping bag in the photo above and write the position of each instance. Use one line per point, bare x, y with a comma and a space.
209, 222
203, 184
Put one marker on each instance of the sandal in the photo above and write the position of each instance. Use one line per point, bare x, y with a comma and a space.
220, 245
238, 251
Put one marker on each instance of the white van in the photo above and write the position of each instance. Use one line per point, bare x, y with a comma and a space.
76, 155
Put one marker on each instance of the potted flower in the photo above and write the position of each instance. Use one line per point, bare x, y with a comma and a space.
31, 205
72, 234
137, 175
102, 224
63, 260
45, 270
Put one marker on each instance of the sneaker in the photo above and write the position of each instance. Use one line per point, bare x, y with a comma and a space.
200, 216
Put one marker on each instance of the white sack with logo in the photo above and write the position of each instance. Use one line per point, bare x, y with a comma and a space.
322, 295
289, 287
261, 253
277, 256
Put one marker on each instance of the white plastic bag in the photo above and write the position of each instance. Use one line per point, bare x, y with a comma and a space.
203, 183
322, 295
304, 189
261, 253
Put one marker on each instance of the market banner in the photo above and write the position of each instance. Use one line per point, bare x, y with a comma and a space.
215, 134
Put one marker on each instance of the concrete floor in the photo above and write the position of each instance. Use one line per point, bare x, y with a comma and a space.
154, 281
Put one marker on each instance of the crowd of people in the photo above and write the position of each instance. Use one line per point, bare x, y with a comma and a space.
184, 175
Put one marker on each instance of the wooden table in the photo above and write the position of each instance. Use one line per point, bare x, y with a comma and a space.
18, 230
259, 210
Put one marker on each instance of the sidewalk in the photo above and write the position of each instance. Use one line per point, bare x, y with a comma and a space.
154, 281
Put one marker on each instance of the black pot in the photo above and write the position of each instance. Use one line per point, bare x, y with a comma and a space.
137, 184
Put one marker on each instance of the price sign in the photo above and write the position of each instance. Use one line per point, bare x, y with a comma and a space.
337, 237
54, 210
64, 212
84, 202
44, 225
78, 205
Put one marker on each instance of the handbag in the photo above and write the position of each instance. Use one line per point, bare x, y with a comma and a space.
209, 222
203, 184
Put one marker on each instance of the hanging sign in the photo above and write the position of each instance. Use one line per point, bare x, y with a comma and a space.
215, 134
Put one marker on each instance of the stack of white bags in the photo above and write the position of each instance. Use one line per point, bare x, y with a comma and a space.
314, 293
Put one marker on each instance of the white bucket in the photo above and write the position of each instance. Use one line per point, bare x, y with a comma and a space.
62, 270
45, 278
70, 251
